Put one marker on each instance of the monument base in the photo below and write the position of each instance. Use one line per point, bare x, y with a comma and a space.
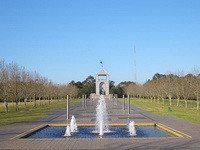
94, 96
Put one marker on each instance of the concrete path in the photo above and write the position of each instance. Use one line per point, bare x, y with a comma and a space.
9, 139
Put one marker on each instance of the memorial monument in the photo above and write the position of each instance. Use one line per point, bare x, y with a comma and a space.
102, 83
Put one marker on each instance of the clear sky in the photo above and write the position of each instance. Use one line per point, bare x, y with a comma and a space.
65, 40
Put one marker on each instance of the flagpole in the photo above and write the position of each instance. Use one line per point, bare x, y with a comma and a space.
101, 62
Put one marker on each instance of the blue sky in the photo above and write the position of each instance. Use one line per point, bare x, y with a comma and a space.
65, 40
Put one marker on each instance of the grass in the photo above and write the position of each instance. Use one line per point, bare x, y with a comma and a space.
189, 114
30, 114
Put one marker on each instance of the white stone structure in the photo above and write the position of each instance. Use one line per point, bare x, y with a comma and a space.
102, 83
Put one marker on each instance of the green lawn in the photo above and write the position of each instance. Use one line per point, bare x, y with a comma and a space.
190, 114
30, 114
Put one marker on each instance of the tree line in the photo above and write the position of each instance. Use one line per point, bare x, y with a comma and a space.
160, 88
168, 86
20, 85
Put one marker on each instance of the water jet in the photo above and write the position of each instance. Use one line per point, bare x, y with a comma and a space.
67, 132
101, 117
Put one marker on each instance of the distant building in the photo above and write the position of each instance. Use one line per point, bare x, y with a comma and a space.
102, 83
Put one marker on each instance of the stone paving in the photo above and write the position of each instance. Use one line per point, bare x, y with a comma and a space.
116, 114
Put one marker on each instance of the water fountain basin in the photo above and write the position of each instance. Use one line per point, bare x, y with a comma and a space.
144, 130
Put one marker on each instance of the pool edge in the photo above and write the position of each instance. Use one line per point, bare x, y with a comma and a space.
169, 130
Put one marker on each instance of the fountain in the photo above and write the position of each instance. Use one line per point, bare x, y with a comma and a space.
100, 128
101, 117
73, 124
132, 130
101, 121
67, 132
72, 127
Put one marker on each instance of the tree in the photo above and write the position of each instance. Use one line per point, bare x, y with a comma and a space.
18, 84
72, 90
88, 86
178, 84
187, 85
158, 76
15, 83
25, 79
89, 80
111, 85
196, 82
119, 91
79, 85
4, 83
169, 87
131, 89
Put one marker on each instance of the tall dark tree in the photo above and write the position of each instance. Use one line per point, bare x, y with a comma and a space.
79, 85
158, 76
111, 84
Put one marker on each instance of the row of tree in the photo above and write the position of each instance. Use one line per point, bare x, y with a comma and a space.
160, 87
169, 86
18, 84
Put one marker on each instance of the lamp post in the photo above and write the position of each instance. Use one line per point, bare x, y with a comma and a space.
128, 104
16, 92
123, 103
68, 107
6, 102
198, 92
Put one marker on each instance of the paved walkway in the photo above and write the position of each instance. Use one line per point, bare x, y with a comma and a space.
116, 115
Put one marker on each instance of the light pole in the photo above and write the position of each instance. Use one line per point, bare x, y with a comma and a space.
6, 102
123, 103
68, 107
16, 92
128, 104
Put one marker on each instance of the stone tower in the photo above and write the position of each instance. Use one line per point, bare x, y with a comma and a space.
102, 83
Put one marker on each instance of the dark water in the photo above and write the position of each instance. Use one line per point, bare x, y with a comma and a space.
86, 132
